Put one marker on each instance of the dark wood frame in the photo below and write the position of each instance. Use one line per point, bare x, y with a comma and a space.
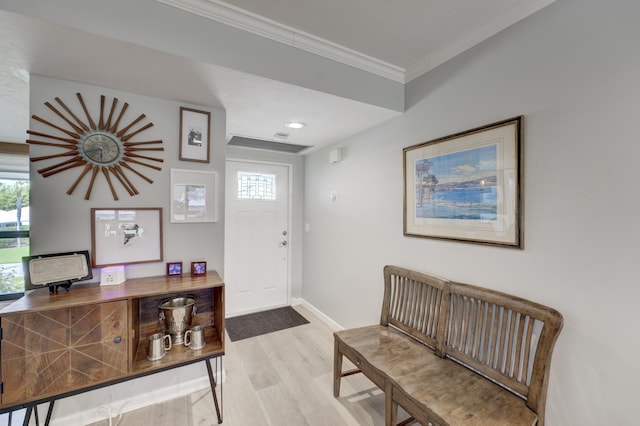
506, 230
96, 258
173, 274
189, 116
193, 268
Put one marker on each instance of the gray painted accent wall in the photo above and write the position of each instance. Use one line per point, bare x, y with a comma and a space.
572, 70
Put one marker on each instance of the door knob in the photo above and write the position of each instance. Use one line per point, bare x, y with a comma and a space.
284, 243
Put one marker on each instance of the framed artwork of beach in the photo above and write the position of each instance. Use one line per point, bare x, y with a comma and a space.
467, 186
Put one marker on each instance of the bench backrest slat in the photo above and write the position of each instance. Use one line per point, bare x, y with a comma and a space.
507, 339
416, 303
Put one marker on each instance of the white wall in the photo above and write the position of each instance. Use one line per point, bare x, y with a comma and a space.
61, 222
572, 70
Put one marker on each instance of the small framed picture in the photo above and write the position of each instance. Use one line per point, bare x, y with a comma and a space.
193, 196
174, 268
194, 135
198, 268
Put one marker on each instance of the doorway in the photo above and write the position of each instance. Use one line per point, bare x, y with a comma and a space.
256, 236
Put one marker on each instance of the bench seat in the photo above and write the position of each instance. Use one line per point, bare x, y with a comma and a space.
454, 393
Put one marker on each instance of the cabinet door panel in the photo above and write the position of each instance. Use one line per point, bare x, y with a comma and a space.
47, 353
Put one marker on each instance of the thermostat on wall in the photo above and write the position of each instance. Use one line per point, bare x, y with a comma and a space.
112, 275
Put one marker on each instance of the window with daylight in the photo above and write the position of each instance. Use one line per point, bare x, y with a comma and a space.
14, 217
256, 186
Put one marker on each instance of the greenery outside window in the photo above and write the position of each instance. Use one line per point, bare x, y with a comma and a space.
14, 218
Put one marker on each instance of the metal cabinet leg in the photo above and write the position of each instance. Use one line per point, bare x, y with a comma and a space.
27, 416
212, 381
49, 412
33, 409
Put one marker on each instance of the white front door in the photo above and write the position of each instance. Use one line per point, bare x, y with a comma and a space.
256, 236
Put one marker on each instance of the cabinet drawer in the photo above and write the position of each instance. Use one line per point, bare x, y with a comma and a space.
52, 352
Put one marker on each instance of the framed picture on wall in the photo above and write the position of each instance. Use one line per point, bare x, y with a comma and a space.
193, 196
121, 236
194, 135
467, 186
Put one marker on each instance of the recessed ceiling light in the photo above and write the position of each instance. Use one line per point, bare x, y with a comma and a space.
296, 124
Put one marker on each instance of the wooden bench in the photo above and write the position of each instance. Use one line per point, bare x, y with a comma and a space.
453, 354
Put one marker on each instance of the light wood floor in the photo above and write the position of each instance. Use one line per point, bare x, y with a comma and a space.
278, 379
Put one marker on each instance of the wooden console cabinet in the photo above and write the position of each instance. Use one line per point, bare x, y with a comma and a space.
53, 346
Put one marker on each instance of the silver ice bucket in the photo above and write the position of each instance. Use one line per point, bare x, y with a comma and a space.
176, 315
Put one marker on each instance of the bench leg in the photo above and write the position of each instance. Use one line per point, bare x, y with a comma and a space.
390, 406
337, 369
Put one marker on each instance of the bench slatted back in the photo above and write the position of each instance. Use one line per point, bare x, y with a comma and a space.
416, 303
505, 338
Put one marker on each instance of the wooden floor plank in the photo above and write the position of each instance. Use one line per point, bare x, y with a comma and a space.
257, 365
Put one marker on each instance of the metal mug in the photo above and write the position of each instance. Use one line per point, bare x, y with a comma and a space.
157, 346
194, 338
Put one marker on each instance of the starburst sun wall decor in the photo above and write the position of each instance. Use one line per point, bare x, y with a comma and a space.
104, 147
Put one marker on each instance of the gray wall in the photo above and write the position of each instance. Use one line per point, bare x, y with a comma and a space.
572, 70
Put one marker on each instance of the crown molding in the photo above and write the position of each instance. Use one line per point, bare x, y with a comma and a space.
236, 17
242, 19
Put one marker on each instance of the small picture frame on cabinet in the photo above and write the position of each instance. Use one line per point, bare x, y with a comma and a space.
174, 269
198, 268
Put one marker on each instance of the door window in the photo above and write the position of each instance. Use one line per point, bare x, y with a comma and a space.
256, 186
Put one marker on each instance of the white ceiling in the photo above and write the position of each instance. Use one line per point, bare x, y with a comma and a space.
395, 40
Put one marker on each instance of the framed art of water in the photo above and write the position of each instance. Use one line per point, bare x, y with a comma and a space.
467, 186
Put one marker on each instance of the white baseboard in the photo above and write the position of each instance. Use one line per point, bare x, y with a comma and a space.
317, 312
